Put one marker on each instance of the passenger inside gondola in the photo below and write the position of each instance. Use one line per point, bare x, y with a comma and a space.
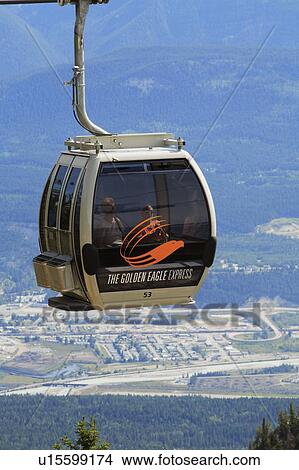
154, 231
108, 228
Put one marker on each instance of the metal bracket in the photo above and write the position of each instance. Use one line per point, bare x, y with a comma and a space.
62, 3
178, 143
121, 141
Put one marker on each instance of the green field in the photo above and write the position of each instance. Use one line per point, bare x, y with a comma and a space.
282, 345
258, 249
14, 380
286, 319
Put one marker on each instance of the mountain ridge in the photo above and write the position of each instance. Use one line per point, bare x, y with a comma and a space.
142, 24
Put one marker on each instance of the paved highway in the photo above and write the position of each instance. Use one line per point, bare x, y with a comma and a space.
168, 375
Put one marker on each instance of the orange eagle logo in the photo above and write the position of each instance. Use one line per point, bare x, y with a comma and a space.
150, 229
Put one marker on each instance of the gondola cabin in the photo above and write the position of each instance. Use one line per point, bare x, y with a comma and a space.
125, 221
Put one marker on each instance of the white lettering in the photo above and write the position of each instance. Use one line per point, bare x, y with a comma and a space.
130, 278
113, 279
180, 274
156, 276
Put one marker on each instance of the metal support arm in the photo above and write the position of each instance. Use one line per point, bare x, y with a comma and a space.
78, 82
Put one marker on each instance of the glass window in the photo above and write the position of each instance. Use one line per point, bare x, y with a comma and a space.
118, 202
131, 167
168, 165
164, 202
67, 199
42, 216
188, 212
77, 232
150, 226
51, 235
55, 193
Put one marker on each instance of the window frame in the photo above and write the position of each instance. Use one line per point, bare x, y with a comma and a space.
79, 163
64, 160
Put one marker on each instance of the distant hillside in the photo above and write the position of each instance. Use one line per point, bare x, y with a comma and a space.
143, 23
19, 55
135, 422
175, 89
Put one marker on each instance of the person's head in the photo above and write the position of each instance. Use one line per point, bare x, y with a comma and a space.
108, 205
147, 212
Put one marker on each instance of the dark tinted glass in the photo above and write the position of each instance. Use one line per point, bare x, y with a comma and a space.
132, 167
188, 212
128, 193
168, 192
55, 193
51, 235
150, 227
77, 232
67, 199
43, 216
168, 165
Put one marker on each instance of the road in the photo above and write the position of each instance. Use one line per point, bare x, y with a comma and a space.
265, 317
168, 375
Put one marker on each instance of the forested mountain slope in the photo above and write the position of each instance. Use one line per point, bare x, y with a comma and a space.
136, 422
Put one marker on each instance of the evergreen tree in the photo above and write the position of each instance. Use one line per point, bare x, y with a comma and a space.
263, 437
88, 438
284, 437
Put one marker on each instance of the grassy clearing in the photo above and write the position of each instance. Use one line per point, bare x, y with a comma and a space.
282, 345
10, 379
63, 350
286, 319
